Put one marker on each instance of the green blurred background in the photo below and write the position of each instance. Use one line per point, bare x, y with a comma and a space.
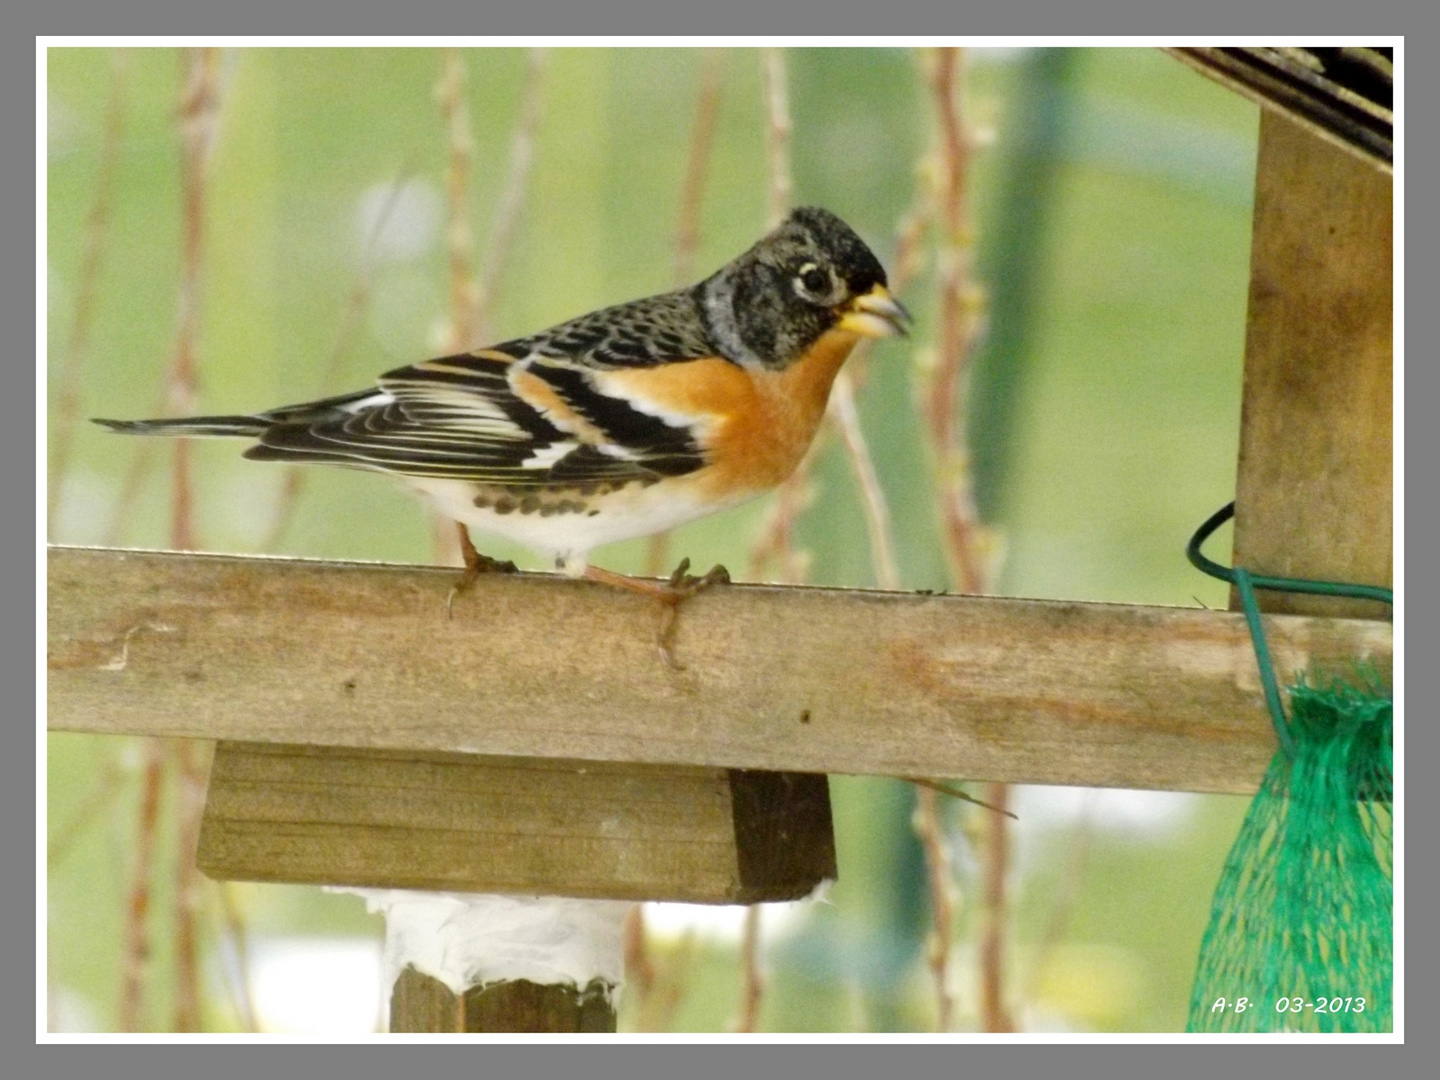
1111, 206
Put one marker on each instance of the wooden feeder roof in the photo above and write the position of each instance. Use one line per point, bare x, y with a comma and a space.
1345, 95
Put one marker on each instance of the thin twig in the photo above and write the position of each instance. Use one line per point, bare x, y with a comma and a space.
968, 546
197, 131
107, 787
142, 458
672, 981
190, 784
350, 321
1066, 894
135, 951
956, 793
687, 229
234, 931
752, 984
197, 115
960, 304
97, 229
464, 291
994, 1013
942, 901
872, 496
777, 133
639, 968
697, 166
776, 538
776, 542
512, 199
202, 112
198, 112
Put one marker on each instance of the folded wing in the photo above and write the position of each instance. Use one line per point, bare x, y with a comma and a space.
491, 418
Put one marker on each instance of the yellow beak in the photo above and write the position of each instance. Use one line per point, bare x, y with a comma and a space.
875, 314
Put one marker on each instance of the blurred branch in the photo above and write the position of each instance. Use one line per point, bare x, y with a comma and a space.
697, 166
639, 968
97, 228
753, 978
687, 228
942, 900
1067, 893
957, 793
355, 306
671, 980
995, 860
776, 542
190, 782
512, 199
862, 467
464, 291
104, 793
777, 133
135, 943
199, 109
233, 931
968, 546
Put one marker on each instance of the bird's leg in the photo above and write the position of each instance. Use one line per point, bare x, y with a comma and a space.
681, 586
475, 565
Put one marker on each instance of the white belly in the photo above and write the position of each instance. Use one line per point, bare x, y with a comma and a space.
568, 538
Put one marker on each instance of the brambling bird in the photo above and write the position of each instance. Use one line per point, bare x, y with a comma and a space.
618, 424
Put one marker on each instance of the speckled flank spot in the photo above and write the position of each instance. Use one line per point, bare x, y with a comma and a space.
530, 502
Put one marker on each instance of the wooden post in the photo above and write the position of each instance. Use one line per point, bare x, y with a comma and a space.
408, 821
422, 1003
458, 962
1316, 470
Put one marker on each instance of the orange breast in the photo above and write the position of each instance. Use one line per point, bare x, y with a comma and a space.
760, 423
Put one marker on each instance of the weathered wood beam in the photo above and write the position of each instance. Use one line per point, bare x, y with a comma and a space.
1315, 482
463, 822
784, 679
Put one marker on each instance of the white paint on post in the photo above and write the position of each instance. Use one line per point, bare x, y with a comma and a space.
475, 939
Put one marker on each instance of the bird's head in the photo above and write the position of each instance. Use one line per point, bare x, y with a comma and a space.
809, 275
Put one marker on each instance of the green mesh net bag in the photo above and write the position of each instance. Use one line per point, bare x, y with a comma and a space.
1301, 936
1301, 921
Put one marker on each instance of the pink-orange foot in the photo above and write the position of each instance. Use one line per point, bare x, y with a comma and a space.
670, 594
475, 565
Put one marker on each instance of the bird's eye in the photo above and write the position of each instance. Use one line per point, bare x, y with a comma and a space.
814, 280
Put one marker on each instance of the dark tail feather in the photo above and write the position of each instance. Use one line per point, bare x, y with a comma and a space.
198, 426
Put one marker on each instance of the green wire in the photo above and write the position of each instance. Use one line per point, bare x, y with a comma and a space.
1278, 584
1245, 584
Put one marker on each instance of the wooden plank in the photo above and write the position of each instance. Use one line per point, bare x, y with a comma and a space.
1316, 470
418, 820
785, 679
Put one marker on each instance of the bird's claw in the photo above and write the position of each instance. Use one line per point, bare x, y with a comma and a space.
683, 584
475, 565
681, 587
